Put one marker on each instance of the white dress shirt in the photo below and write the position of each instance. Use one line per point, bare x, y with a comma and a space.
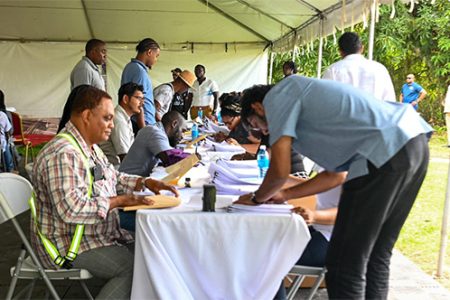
368, 75
203, 93
447, 101
121, 138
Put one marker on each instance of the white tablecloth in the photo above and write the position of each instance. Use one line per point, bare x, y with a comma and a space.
183, 253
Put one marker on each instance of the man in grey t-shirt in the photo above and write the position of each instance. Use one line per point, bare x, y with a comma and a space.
86, 71
152, 143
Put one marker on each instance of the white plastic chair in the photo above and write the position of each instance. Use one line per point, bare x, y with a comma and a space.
300, 272
14, 194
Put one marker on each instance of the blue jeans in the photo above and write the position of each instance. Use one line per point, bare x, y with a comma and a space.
128, 220
8, 163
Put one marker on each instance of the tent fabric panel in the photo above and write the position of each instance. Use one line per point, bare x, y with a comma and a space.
167, 28
33, 24
264, 25
35, 76
169, 21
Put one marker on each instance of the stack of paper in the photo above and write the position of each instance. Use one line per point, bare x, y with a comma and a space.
240, 164
213, 156
211, 127
233, 181
224, 147
263, 208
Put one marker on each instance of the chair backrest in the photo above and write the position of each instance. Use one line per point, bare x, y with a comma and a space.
15, 191
17, 125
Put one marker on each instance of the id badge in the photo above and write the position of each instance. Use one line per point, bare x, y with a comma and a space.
97, 172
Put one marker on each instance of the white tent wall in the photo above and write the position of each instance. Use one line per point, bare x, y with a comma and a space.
35, 76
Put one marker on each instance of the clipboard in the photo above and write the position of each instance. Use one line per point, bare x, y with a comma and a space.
176, 171
161, 201
200, 138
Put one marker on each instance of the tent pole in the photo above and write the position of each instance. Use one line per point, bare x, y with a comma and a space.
319, 60
444, 226
272, 57
372, 28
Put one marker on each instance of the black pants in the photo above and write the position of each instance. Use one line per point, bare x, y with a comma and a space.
372, 210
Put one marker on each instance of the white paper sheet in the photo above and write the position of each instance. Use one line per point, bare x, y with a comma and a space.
231, 176
234, 189
239, 164
224, 146
262, 209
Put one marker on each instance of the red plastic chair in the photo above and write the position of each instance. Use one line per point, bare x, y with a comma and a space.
27, 140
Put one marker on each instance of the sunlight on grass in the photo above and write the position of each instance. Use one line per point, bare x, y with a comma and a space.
421, 234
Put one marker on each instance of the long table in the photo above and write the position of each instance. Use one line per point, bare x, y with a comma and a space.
183, 253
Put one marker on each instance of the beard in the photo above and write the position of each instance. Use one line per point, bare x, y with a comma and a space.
173, 141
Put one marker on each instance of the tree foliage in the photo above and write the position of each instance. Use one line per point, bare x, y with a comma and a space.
416, 42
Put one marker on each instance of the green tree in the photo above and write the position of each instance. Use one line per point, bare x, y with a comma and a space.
417, 42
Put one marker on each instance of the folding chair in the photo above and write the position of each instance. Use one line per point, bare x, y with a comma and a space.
14, 194
300, 272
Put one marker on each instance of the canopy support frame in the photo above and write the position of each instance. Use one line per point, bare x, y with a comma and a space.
236, 21
88, 20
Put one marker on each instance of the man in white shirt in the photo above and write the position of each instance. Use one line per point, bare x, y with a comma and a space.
131, 100
355, 69
163, 94
86, 71
204, 94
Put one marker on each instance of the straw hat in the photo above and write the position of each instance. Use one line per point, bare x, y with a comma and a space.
187, 77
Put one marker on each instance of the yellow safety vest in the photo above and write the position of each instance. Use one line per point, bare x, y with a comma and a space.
64, 262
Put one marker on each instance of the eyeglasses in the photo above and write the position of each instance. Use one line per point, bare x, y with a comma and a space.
139, 98
409, 78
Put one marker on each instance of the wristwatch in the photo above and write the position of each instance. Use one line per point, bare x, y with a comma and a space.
253, 199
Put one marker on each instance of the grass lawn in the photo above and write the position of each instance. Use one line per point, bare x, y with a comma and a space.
421, 234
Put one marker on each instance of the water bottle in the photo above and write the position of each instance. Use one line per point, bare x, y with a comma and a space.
194, 131
200, 113
219, 118
263, 161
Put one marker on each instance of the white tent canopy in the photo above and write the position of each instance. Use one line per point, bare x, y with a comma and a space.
41, 41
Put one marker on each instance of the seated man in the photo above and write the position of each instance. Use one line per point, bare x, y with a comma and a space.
320, 227
75, 185
131, 100
154, 143
164, 93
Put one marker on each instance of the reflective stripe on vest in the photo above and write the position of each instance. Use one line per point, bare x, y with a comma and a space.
65, 262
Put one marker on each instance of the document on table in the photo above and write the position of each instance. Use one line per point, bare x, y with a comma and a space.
234, 189
233, 176
211, 127
240, 164
263, 208
224, 147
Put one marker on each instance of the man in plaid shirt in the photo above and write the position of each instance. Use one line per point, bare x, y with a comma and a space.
61, 181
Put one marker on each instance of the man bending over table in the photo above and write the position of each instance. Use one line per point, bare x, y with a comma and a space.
75, 185
383, 147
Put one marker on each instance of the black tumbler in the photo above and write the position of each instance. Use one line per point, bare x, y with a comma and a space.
209, 197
